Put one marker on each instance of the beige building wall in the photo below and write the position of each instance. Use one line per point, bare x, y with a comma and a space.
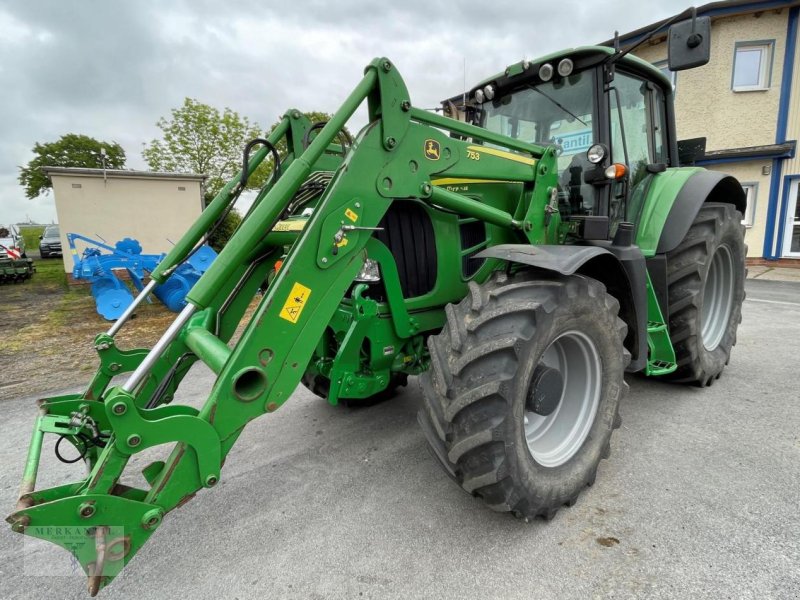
706, 106
152, 208
749, 173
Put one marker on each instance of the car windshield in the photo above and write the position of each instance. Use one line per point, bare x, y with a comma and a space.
556, 112
51, 232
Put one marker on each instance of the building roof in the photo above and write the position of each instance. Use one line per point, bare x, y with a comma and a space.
714, 10
122, 173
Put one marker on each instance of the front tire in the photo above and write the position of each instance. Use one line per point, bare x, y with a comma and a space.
705, 278
524, 388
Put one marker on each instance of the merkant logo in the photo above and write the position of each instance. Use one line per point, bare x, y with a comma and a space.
80, 542
63, 533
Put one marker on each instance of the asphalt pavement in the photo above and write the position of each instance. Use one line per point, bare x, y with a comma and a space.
698, 500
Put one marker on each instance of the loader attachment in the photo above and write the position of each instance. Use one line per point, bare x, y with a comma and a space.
391, 159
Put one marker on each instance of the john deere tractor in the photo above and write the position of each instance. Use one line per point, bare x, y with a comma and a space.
519, 255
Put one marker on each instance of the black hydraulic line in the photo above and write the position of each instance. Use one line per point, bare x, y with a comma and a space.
319, 125
246, 159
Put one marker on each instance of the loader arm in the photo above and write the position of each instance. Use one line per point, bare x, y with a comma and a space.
395, 157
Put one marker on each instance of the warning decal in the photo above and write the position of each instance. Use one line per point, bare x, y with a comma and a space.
295, 303
351, 215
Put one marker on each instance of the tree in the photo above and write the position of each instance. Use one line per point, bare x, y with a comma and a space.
198, 138
71, 150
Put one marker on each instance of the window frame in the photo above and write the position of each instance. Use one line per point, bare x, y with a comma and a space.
765, 69
673, 75
749, 216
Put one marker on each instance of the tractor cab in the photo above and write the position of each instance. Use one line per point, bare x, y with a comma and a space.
610, 122
608, 114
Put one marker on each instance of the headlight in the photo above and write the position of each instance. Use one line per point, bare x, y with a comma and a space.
370, 273
488, 91
565, 67
546, 72
596, 154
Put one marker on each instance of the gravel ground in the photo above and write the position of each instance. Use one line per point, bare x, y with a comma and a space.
698, 500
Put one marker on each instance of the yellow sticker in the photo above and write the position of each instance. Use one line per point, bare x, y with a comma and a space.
295, 303
526, 160
351, 215
342, 243
293, 225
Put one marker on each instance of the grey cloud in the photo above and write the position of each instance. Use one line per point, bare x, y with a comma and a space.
111, 69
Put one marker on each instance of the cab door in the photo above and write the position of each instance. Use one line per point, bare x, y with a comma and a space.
638, 132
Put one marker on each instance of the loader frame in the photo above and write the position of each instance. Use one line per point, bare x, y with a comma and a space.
263, 368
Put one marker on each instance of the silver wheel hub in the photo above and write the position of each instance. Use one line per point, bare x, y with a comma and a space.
555, 437
717, 298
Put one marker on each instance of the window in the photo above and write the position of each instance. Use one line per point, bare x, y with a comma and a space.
558, 112
750, 194
663, 66
752, 66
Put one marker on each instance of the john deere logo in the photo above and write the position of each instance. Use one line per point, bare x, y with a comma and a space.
432, 149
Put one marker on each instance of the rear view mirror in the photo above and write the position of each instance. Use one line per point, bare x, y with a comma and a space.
689, 43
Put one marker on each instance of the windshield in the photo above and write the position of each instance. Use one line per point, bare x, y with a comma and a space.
51, 232
556, 112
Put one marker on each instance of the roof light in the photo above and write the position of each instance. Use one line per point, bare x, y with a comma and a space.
546, 72
479, 96
565, 67
488, 91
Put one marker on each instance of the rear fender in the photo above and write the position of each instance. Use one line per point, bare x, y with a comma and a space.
673, 201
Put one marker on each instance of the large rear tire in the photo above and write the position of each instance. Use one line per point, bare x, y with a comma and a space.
524, 388
705, 278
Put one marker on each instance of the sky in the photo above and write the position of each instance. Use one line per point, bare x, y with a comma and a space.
110, 69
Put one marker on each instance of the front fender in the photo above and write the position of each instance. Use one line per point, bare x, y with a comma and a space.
562, 259
620, 268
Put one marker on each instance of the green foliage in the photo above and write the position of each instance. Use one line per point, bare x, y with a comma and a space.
31, 236
71, 150
198, 138
224, 232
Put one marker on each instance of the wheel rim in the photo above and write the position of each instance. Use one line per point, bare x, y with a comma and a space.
717, 298
555, 438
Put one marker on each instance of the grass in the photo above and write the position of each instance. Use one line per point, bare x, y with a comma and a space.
48, 327
31, 237
49, 272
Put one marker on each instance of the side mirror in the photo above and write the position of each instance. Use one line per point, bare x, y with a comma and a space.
689, 43
41, 237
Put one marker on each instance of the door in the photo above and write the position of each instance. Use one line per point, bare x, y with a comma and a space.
638, 134
791, 235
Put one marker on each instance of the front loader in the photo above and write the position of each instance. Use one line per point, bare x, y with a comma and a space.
519, 256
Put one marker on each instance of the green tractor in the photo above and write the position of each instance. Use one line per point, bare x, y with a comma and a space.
520, 256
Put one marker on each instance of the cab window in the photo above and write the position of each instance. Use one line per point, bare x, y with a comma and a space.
558, 112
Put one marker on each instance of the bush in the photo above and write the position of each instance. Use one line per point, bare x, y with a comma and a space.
224, 232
